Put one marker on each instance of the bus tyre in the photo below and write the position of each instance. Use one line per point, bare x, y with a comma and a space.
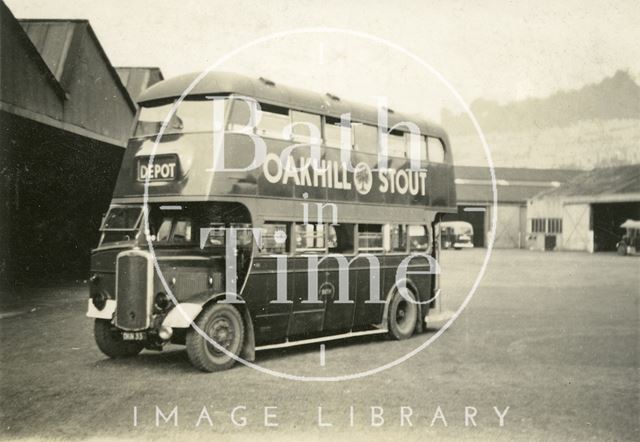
222, 323
109, 341
403, 316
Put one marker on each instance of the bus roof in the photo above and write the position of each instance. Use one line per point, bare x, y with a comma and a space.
269, 92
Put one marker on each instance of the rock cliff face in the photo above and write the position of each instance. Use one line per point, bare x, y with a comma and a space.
597, 125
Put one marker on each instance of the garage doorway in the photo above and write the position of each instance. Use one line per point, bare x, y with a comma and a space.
606, 220
474, 215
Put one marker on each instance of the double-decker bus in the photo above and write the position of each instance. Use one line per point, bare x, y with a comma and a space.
315, 251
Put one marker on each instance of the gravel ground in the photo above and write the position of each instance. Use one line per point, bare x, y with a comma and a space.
552, 336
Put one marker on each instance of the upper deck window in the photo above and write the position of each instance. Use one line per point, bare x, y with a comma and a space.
273, 121
190, 116
366, 138
332, 132
395, 143
419, 151
436, 150
307, 127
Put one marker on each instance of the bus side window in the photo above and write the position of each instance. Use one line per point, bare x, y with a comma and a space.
239, 115
341, 238
436, 150
310, 238
366, 138
164, 231
274, 120
302, 132
182, 231
332, 130
421, 151
216, 236
395, 237
419, 238
395, 144
275, 239
370, 238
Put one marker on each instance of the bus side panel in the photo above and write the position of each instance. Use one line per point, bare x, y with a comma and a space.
270, 319
368, 313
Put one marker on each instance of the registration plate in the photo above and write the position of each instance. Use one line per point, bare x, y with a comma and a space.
134, 336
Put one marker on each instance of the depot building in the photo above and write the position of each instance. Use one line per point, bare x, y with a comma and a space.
585, 213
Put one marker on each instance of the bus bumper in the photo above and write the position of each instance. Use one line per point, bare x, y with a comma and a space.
437, 317
437, 320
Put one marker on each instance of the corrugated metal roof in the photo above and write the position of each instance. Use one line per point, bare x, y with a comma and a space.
270, 92
604, 181
58, 40
514, 185
138, 79
52, 39
517, 174
471, 193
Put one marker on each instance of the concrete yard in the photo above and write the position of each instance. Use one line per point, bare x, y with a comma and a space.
552, 336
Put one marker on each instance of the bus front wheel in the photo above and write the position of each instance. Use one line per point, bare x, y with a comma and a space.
109, 341
403, 316
222, 324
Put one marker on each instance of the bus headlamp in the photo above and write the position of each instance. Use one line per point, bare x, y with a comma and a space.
162, 301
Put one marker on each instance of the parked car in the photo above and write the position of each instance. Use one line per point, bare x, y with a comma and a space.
456, 234
629, 244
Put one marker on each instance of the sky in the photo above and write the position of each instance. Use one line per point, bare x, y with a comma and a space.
497, 50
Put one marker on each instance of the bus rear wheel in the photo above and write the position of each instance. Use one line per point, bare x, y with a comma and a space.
109, 341
223, 324
403, 316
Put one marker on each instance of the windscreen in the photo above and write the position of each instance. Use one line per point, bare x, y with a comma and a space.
122, 218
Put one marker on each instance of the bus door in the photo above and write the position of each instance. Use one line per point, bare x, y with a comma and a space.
271, 316
339, 315
307, 317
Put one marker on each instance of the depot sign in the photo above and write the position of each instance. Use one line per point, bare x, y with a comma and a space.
162, 168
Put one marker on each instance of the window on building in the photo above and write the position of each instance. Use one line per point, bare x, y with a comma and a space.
435, 149
537, 225
554, 225
366, 138
370, 238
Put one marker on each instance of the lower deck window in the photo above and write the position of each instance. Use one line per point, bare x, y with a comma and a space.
370, 238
